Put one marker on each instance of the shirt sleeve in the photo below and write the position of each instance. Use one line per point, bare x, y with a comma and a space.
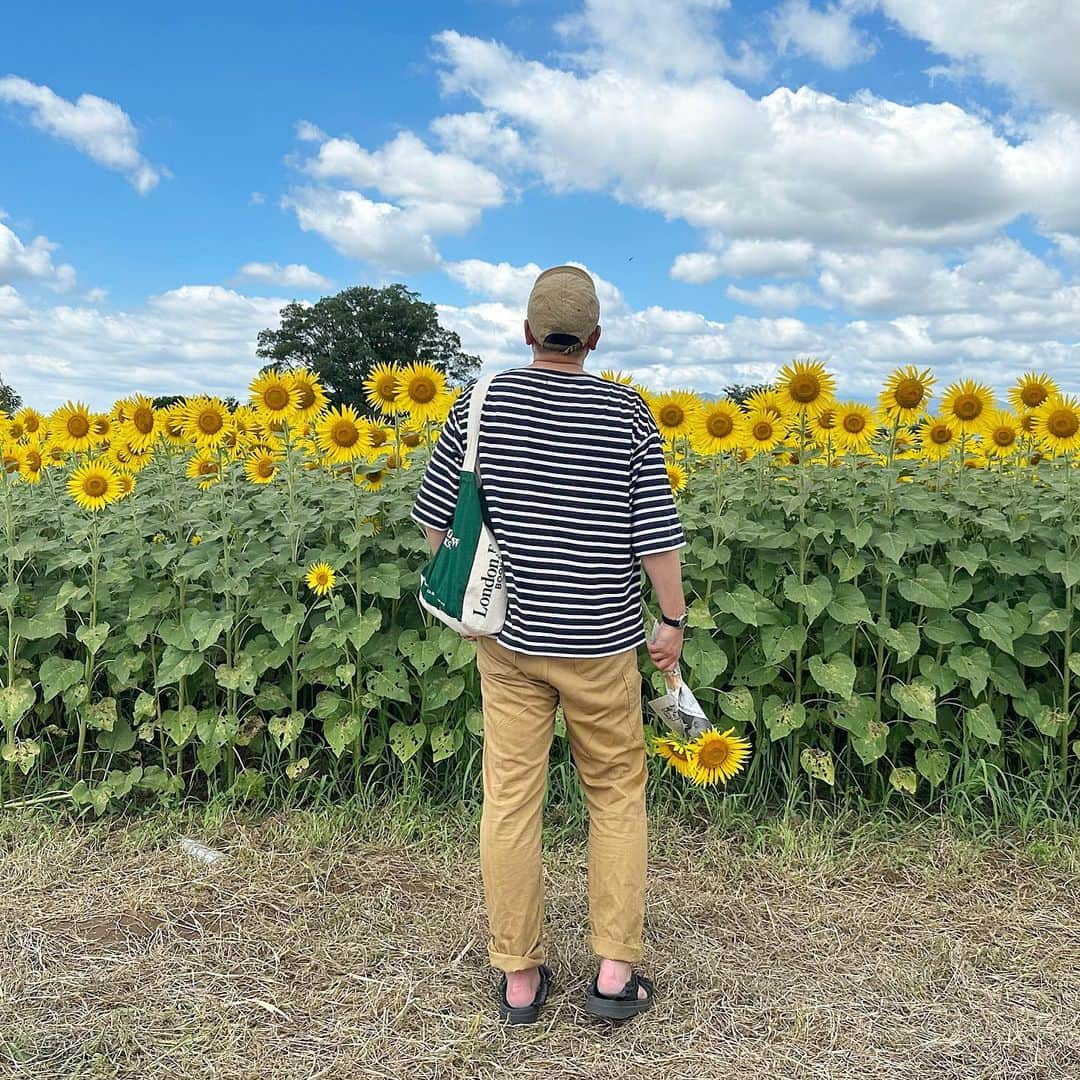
654, 521
435, 501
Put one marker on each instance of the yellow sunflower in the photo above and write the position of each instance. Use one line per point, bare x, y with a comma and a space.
31, 421
101, 428
411, 438
768, 399
675, 412
715, 757
320, 578
205, 468
311, 397
1001, 437
94, 484
125, 484
1056, 424
340, 435
1031, 390
675, 752
906, 396
172, 425
967, 404
762, 432
823, 426
381, 388
854, 426
620, 377
805, 386
206, 421
274, 398
372, 480
261, 467
71, 428
141, 428
421, 392
676, 475
938, 436
12, 458
33, 463
717, 427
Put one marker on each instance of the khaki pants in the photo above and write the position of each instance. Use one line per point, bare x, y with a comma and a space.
601, 700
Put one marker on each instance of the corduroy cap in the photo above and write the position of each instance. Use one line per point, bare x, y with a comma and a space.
563, 309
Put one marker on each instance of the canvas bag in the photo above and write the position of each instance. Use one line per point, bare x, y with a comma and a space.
462, 584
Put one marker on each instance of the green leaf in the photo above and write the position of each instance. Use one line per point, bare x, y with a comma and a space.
119, 739
360, 630
704, 658
848, 605
740, 602
926, 587
44, 625
892, 546
943, 628
16, 701
699, 616
241, 677
390, 682
445, 741
779, 642
738, 704
1069, 569
836, 675
932, 764
1074, 663
904, 780
341, 731
69, 594
329, 704
854, 716
440, 690
903, 640
994, 625
249, 786
382, 580
859, 534
813, 596
916, 699
93, 637
286, 729
206, 627
179, 725
973, 665
781, 717
421, 652
57, 675
456, 651
271, 698
176, 664
102, 714
1050, 720
982, 723
474, 721
819, 764
407, 739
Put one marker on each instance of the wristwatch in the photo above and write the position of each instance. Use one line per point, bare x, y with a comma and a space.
678, 623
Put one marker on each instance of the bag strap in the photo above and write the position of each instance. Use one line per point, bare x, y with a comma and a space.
472, 436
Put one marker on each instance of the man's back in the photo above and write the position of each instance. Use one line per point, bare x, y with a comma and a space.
576, 491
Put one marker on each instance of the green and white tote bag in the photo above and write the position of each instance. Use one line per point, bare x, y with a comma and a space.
463, 582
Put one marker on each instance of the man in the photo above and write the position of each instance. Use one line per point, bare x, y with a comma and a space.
576, 491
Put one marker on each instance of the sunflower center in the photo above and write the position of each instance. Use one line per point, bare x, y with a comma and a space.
33, 461
207, 468
378, 437
411, 439
276, 398
720, 425
306, 397
854, 423
386, 388
31, 424
78, 427
1004, 436
941, 435
1033, 395
827, 420
967, 407
762, 431
672, 416
422, 390
345, 433
11, 465
16, 430
143, 421
909, 393
805, 388
265, 468
1063, 423
95, 486
714, 754
1027, 422
210, 422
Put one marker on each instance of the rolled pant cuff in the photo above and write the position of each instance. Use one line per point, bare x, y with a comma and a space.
508, 962
615, 950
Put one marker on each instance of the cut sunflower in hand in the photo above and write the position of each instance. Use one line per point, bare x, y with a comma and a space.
715, 756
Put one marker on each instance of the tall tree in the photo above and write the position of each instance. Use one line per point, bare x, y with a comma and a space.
739, 393
343, 337
9, 401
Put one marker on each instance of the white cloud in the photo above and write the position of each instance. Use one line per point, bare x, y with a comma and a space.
772, 297
11, 303
256, 198
33, 260
292, 276
99, 128
696, 267
1030, 47
745, 258
827, 35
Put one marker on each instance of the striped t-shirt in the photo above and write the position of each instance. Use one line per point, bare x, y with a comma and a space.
577, 492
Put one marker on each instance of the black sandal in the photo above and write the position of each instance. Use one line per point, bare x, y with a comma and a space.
625, 1003
525, 1014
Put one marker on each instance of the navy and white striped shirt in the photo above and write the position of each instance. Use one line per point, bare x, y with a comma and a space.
577, 492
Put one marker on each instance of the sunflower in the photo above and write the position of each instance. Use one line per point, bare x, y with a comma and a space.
674, 751
261, 467
30, 420
1026, 420
340, 435
311, 398
205, 468
71, 428
676, 475
12, 458
937, 437
854, 426
768, 399
906, 396
411, 438
33, 463
823, 426
675, 412
125, 484
172, 425
967, 404
381, 388
94, 485
1001, 436
320, 578
372, 479
717, 427
141, 428
206, 421
1031, 390
101, 428
717, 757
274, 397
619, 377
805, 386
421, 392
763, 432
376, 438
1056, 424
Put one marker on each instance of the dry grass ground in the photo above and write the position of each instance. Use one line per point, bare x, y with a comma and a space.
338, 948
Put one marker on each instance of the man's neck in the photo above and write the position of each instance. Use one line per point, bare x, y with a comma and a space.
574, 365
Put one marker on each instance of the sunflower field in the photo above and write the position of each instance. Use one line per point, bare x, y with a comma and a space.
203, 601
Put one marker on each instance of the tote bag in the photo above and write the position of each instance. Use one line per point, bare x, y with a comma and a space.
462, 584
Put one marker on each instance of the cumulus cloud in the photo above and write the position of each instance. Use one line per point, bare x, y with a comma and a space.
97, 127
292, 276
828, 35
33, 260
745, 258
770, 297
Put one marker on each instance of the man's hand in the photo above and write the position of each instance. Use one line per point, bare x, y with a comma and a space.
667, 647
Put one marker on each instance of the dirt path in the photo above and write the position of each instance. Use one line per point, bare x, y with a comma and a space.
317, 951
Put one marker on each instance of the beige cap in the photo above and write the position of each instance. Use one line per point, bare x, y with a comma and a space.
563, 301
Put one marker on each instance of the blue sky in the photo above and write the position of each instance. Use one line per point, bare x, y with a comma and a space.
873, 182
